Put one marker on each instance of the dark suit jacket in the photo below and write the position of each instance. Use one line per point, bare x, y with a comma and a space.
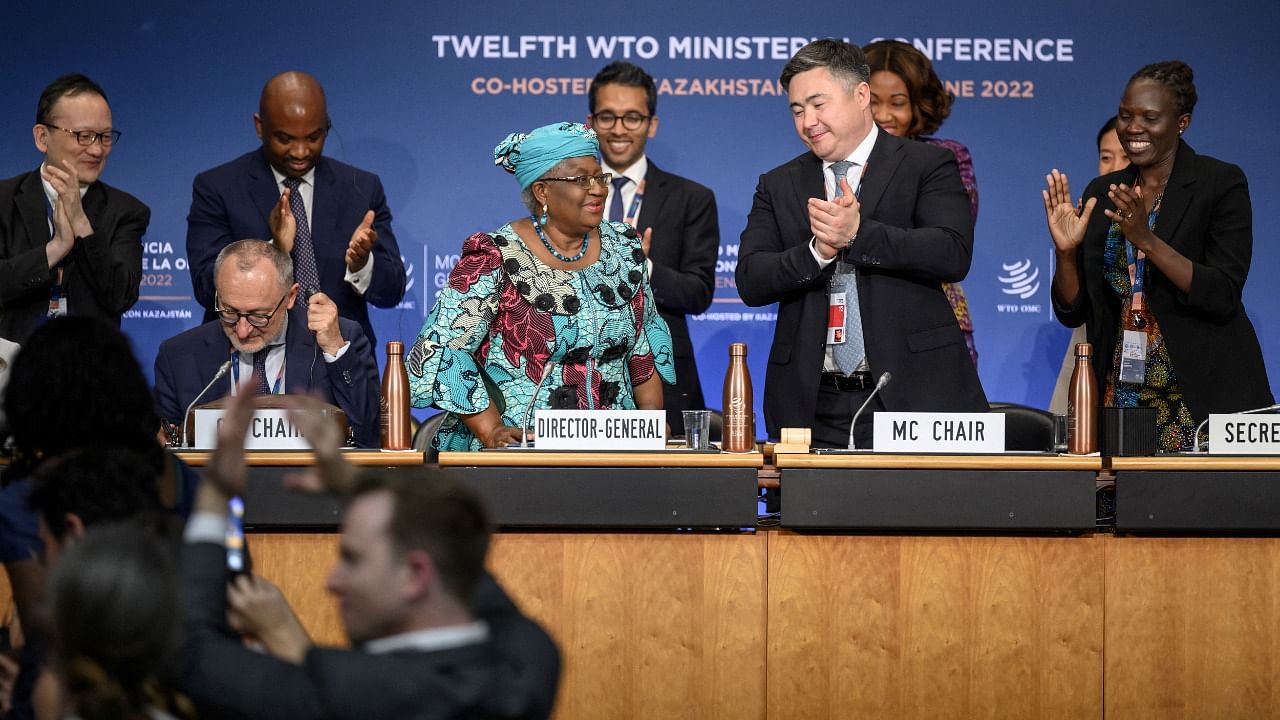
102, 271
1206, 216
916, 233
186, 362
233, 201
512, 676
686, 240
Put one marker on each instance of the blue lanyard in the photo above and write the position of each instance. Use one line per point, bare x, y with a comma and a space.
235, 370
1138, 260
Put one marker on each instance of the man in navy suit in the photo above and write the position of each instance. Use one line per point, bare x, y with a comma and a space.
676, 217
897, 221
69, 243
282, 349
331, 217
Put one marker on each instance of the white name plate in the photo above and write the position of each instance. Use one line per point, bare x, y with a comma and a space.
270, 430
600, 429
1231, 434
929, 432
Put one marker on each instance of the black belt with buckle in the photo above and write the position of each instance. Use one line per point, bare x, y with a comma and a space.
850, 382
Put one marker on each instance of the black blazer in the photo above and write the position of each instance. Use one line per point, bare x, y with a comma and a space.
686, 241
233, 201
513, 676
916, 233
1206, 216
189, 360
102, 271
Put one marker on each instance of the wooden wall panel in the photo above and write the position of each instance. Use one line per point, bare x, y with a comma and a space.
650, 625
1192, 628
934, 627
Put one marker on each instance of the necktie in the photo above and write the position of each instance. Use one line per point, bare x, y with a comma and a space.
615, 207
848, 355
260, 371
304, 253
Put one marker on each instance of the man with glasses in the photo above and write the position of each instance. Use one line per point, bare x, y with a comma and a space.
332, 218
69, 244
279, 348
680, 232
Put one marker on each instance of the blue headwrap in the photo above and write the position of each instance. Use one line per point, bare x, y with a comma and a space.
529, 156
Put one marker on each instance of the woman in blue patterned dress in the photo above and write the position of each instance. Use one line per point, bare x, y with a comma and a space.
557, 303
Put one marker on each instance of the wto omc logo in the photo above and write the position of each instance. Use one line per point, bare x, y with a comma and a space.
1020, 278
408, 302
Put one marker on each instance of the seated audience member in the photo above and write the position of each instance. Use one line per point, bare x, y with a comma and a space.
272, 344
115, 617
909, 100
331, 218
69, 243
434, 636
76, 384
1155, 261
1111, 158
93, 486
552, 310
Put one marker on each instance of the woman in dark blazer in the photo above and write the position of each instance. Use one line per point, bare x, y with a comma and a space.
1155, 262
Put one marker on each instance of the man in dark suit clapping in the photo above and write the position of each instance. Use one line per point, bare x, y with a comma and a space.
331, 217
69, 243
864, 226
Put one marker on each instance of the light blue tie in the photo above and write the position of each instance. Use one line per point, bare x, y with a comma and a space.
848, 355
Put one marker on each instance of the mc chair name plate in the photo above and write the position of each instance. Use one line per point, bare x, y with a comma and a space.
271, 429
600, 429
935, 432
1238, 434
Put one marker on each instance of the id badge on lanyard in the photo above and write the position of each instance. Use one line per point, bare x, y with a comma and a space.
1133, 347
842, 284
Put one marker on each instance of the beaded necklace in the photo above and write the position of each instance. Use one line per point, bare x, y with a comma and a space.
586, 237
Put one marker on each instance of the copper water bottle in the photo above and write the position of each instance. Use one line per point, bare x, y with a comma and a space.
394, 414
1082, 405
739, 418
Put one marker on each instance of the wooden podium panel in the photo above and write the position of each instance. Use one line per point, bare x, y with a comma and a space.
934, 627
966, 493
649, 625
1193, 628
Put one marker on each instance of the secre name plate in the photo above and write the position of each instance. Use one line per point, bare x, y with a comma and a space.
269, 430
1238, 434
601, 430
932, 432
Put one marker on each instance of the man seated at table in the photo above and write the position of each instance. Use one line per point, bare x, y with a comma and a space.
434, 635
280, 348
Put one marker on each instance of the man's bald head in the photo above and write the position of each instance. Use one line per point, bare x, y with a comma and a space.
292, 122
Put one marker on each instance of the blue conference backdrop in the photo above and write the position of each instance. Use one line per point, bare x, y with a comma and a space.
419, 93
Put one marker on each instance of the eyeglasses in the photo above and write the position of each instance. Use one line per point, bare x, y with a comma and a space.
630, 121
586, 182
258, 320
88, 137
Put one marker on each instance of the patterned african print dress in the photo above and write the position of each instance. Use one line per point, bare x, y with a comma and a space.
506, 317
1160, 389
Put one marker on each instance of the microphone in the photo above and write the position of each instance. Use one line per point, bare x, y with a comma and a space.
1195, 443
222, 370
885, 377
528, 411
